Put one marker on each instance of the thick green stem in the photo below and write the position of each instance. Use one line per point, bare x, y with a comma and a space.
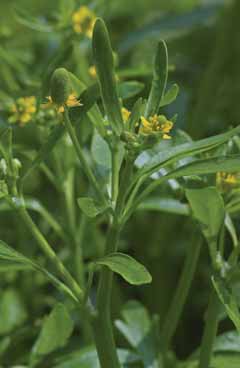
102, 323
51, 255
174, 313
91, 177
210, 331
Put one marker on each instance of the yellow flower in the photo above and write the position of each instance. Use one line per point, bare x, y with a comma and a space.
22, 110
224, 180
83, 21
92, 71
72, 101
125, 114
156, 124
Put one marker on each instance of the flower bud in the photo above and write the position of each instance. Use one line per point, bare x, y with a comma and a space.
61, 86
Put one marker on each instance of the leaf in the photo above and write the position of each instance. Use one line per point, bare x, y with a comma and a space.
229, 301
131, 270
88, 358
227, 342
219, 361
231, 229
24, 18
169, 205
135, 115
160, 75
172, 154
90, 207
170, 95
138, 329
208, 209
100, 151
207, 166
12, 311
103, 57
56, 330
129, 89
16, 260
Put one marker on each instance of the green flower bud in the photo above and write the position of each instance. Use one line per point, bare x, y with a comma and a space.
61, 86
16, 166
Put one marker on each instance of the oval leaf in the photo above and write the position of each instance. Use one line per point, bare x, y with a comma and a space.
131, 270
56, 330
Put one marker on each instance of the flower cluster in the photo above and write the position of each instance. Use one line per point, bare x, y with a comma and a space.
22, 110
156, 124
71, 101
226, 181
125, 114
83, 21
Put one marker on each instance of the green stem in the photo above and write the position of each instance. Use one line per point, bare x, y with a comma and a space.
78, 251
174, 313
115, 173
51, 255
92, 179
102, 324
210, 330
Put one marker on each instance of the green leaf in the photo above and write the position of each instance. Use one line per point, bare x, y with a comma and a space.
169, 205
227, 342
129, 89
160, 75
231, 229
88, 358
228, 299
138, 329
56, 330
170, 95
208, 209
131, 270
219, 361
12, 311
135, 115
173, 154
207, 166
90, 207
24, 18
100, 151
9, 256
103, 57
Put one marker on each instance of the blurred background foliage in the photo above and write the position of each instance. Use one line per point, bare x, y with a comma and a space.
203, 41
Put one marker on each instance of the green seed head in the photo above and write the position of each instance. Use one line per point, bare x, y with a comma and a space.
60, 86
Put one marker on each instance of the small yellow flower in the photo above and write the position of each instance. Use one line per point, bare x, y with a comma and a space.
83, 21
125, 114
156, 124
72, 101
23, 110
225, 180
92, 71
